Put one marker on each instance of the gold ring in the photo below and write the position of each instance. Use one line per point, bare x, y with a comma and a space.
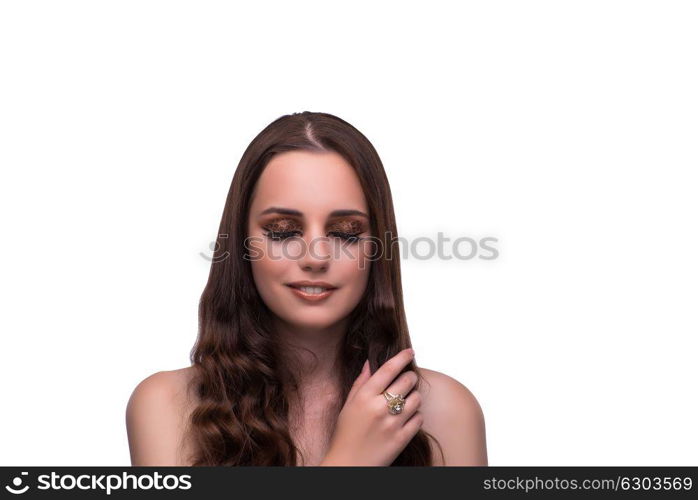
396, 403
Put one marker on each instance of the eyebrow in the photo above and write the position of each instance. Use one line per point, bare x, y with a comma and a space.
291, 211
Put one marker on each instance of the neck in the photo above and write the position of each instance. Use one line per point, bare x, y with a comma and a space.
313, 354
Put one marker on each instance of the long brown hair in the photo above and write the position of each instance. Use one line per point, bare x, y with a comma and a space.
242, 414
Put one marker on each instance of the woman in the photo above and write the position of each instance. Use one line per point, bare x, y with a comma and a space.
303, 350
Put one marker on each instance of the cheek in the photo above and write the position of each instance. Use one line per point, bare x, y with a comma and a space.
266, 272
361, 255
355, 282
267, 275
355, 267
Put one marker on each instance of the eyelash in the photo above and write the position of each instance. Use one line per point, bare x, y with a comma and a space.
282, 235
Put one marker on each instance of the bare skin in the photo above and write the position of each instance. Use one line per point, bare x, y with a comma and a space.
314, 186
159, 408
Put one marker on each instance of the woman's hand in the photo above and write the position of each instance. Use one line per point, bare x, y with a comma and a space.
366, 432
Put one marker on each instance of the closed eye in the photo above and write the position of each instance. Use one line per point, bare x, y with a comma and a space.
347, 236
282, 235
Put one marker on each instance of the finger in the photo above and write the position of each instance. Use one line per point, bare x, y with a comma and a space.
388, 371
411, 427
411, 406
403, 384
364, 375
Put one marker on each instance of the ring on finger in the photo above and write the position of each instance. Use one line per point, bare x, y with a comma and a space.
396, 403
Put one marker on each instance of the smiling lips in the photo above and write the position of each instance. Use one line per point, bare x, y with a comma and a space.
312, 291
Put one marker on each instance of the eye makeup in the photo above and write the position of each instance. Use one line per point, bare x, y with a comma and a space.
283, 228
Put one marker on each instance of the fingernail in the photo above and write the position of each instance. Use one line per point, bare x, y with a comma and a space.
412, 352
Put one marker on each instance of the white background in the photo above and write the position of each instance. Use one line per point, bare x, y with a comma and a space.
567, 130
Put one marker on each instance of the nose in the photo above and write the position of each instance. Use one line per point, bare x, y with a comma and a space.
316, 253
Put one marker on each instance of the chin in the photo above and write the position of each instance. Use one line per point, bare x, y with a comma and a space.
312, 323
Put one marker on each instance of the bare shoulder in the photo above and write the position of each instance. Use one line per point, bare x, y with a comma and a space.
156, 418
454, 417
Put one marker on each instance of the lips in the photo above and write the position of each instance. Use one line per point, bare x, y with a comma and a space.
313, 284
312, 293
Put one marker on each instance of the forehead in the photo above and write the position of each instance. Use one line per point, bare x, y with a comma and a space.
310, 182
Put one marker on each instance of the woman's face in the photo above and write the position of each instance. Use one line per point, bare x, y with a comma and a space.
307, 209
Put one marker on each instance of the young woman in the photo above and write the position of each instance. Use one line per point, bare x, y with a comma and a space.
303, 356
